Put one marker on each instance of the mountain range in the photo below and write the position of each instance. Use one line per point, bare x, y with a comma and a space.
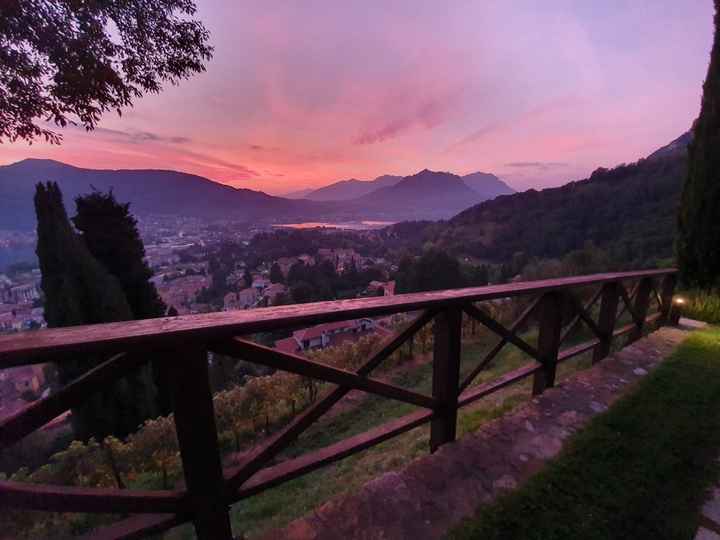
449, 193
420, 196
351, 189
486, 185
149, 191
628, 211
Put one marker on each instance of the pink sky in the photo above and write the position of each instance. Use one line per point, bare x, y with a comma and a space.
300, 94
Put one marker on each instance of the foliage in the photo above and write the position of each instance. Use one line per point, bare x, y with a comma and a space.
70, 62
313, 283
79, 290
640, 470
627, 211
269, 246
434, 270
276, 275
698, 223
148, 459
110, 233
221, 263
588, 260
702, 305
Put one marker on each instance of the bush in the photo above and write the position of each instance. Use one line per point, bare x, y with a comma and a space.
702, 306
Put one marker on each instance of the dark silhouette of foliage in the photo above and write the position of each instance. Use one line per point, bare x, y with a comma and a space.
110, 233
628, 210
276, 275
79, 290
70, 62
433, 271
699, 217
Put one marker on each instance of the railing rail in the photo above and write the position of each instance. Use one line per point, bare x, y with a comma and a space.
181, 344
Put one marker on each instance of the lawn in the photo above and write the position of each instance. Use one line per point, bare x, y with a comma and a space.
641, 470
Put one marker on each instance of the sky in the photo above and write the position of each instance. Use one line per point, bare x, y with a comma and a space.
303, 93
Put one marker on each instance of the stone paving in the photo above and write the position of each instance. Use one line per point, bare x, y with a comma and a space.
435, 492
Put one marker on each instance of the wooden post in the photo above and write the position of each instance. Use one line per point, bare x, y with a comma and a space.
641, 305
549, 312
666, 294
197, 436
606, 322
446, 376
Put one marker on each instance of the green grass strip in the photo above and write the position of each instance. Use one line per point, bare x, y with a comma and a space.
639, 471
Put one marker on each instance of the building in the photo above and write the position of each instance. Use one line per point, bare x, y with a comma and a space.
285, 263
325, 335
23, 379
181, 292
381, 288
260, 283
24, 293
244, 299
274, 291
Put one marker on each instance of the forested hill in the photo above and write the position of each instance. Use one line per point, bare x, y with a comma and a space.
149, 191
630, 211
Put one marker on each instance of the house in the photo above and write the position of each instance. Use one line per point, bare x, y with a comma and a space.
260, 283
243, 299
24, 378
248, 298
285, 263
326, 335
307, 260
230, 302
273, 292
381, 288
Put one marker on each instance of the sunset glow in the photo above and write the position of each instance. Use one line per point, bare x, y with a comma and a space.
301, 94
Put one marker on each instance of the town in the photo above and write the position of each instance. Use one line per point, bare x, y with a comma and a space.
182, 254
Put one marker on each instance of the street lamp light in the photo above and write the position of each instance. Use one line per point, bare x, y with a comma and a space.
676, 309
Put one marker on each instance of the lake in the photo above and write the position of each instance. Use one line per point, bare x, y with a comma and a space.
348, 225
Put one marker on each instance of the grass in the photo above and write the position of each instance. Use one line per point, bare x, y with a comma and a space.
702, 305
279, 506
640, 470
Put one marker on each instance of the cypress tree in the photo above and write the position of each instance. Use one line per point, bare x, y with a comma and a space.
276, 275
78, 290
110, 233
699, 217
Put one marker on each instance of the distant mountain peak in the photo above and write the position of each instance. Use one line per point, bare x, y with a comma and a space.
677, 146
149, 191
352, 188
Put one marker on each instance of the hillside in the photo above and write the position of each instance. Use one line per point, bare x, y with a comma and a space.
629, 210
487, 185
351, 189
149, 191
425, 195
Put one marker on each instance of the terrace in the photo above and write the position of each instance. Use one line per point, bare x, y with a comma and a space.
180, 345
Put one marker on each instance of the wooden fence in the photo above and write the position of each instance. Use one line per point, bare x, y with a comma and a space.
180, 346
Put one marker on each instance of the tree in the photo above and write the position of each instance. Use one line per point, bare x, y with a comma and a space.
110, 233
79, 290
276, 275
70, 62
698, 223
434, 270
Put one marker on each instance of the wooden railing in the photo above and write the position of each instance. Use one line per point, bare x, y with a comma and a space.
180, 346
